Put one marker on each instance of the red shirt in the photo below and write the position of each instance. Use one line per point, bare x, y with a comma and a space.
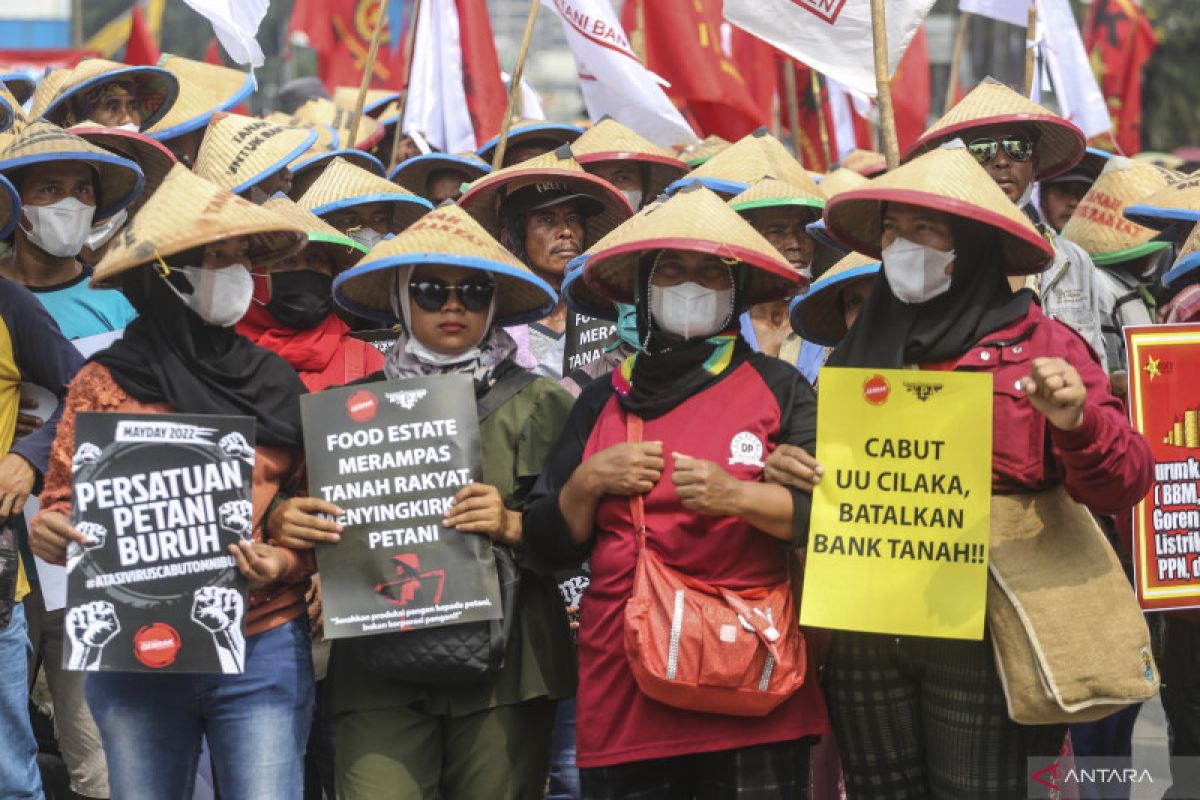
323, 356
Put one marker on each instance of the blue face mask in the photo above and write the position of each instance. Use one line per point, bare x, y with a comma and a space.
627, 325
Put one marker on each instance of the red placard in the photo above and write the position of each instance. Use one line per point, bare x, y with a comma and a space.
1164, 405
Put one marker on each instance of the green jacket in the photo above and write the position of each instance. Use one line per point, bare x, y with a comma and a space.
540, 660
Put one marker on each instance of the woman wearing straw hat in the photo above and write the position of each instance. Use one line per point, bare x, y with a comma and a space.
185, 264
918, 717
689, 265
452, 288
106, 94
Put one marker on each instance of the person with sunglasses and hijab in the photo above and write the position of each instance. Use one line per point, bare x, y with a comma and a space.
185, 263
925, 717
452, 288
1018, 142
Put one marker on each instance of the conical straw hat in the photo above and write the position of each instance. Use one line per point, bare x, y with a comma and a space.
10, 110
238, 152
156, 88
609, 140
482, 200
189, 212
321, 235
40, 142
414, 173
377, 99
320, 111
947, 179
316, 157
817, 315
343, 185
866, 163
327, 137
1177, 204
10, 207
773, 193
154, 159
1188, 260
578, 297
204, 89
20, 84
758, 155
525, 130
447, 235
702, 151
1099, 227
696, 220
840, 180
1059, 143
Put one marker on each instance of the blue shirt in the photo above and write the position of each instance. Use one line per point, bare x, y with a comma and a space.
808, 362
82, 312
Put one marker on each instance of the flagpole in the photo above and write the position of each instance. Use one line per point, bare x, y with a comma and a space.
368, 70
793, 108
1030, 43
410, 47
887, 114
960, 43
514, 88
823, 126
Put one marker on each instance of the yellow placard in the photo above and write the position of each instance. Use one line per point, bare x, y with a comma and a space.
899, 529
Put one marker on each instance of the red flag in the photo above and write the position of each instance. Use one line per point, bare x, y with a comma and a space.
910, 91
759, 64
141, 50
811, 152
340, 32
682, 42
486, 94
1119, 40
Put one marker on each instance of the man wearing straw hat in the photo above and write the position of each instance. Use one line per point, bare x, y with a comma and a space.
249, 156
640, 169
529, 138
1017, 141
439, 177
107, 94
204, 89
1058, 197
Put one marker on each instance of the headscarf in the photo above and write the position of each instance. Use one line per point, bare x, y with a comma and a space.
168, 354
891, 334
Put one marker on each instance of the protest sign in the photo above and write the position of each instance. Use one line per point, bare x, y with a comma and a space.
160, 497
382, 340
392, 456
1164, 404
586, 337
899, 527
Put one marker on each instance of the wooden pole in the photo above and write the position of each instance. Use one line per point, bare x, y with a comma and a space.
960, 43
514, 85
368, 70
410, 47
1030, 42
793, 107
887, 114
822, 124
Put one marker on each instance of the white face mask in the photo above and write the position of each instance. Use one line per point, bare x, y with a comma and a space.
106, 230
219, 296
133, 127
634, 198
916, 273
690, 310
60, 228
367, 237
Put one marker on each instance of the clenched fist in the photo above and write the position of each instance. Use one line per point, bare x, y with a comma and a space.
92, 624
217, 608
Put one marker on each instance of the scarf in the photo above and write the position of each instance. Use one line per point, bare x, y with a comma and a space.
168, 354
309, 350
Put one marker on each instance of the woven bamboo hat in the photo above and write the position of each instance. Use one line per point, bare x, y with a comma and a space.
752, 157
947, 179
1188, 260
316, 158
866, 163
696, 154
377, 99
1098, 224
239, 152
1172, 206
609, 140
773, 193
10, 207
414, 173
578, 297
327, 137
119, 182
321, 235
1059, 144
531, 130
156, 90
484, 197
320, 111
204, 89
189, 212
20, 84
817, 315
154, 159
343, 185
449, 236
840, 180
695, 220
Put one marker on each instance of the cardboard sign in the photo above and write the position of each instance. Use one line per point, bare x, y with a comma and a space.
899, 528
392, 456
1164, 405
161, 497
586, 338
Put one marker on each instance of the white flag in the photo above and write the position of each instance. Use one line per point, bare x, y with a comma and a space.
437, 103
614, 83
236, 24
1014, 12
1079, 97
831, 36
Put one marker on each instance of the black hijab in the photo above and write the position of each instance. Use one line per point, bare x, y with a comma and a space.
168, 354
891, 334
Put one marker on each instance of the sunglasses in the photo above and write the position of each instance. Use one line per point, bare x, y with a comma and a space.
433, 295
1018, 148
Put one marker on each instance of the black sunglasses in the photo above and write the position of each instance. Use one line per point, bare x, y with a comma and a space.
433, 295
1018, 148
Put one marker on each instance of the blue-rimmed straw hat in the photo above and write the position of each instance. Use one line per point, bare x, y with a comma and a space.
157, 89
21, 85
10, 207
204, 89
751, 158
343, 185
414, 173
817, 315
239, 152
1188, 260
529, 130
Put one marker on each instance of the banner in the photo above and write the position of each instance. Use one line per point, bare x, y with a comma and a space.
586, 338
899, 527
1164, 406
160, 498
340, 32
1119, 41
392, 455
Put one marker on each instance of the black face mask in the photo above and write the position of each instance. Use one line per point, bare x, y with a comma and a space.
301, 298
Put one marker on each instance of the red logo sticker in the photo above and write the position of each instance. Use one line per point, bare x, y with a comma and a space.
827, 10
876, 390
156, 645
361, 406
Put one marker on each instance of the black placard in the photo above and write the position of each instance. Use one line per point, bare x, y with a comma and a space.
392, 455
586, 338
160, 498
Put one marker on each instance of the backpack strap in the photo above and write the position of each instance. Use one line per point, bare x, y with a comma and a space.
506, 388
